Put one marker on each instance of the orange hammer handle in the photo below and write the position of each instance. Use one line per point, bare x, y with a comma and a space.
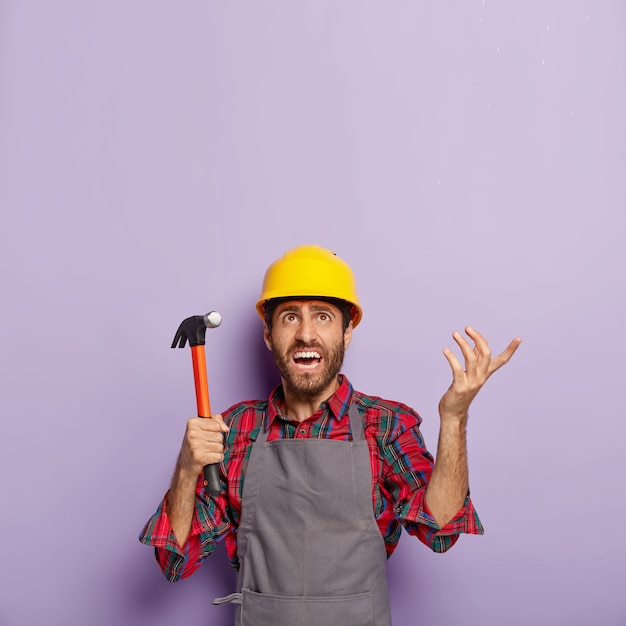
201, 381
211, 474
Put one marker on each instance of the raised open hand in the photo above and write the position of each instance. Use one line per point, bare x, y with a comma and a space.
467, 381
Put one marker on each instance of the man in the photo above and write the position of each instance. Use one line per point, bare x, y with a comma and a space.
320, 479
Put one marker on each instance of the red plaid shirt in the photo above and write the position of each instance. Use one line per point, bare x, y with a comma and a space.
401, 469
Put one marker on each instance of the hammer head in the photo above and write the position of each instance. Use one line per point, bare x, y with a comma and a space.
193, 329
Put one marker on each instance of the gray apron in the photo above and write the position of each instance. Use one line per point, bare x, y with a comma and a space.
309, 548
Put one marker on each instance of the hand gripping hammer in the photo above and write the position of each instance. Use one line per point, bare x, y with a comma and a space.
193, 329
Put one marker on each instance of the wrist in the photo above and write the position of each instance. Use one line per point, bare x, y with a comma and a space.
453, 419
453, 411
185, 476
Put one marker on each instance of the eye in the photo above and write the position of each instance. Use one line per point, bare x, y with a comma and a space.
323, 317
290, 318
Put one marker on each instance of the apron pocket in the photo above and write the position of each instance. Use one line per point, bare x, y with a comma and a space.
265, 609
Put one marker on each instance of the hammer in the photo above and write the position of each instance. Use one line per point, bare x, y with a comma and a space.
193, 329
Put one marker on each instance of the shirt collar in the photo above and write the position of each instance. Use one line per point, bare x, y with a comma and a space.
338, 403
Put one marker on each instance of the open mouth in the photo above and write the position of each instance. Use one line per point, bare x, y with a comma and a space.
307, 359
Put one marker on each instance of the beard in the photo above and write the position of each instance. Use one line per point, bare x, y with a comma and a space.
309, 385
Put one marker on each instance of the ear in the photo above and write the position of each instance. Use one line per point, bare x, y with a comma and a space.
267, 337
347, 336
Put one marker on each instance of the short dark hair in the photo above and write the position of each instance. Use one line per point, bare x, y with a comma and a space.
342, 305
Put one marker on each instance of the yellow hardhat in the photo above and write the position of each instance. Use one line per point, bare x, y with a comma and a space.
310, 271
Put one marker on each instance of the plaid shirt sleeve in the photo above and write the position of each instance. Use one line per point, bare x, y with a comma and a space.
208, 525
410, 467
418, 521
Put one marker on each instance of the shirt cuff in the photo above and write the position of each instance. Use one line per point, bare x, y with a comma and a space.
418, 520
176, 561
158, 532
465, 521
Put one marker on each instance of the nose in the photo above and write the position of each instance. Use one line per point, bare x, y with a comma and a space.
306, 330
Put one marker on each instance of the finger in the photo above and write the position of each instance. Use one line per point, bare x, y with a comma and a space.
505, 355
201, 447
509, 351
482, 350
220, 420
481, 342
468, 352
210, 452
203, 424
455, 365
215, 423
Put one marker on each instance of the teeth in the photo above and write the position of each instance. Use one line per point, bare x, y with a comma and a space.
307, 355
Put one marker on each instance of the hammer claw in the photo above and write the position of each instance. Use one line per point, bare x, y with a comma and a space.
180, 339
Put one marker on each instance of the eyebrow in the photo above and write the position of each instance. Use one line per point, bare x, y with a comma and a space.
295, 308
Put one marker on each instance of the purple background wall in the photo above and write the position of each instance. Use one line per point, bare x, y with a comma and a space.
467, 159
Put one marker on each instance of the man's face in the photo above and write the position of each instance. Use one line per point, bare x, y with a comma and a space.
308, 344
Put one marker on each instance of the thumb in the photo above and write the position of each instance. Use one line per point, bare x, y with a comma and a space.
218, 418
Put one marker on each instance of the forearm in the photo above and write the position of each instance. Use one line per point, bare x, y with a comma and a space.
203, 444
181, 501
449, 484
